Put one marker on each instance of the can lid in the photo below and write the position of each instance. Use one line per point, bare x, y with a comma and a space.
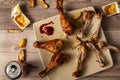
13, 70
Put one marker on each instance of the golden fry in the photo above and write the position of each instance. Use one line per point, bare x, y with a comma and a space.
22, 56
22, 43
14, 31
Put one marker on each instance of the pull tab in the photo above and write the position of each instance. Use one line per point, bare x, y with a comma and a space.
12, 69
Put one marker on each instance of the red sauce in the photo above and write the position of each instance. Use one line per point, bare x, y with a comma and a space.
45, 29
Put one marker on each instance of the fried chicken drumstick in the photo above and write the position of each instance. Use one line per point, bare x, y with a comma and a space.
53, 46
56, 60
65, 22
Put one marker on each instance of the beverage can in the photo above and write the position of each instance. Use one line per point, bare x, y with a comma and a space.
15, 69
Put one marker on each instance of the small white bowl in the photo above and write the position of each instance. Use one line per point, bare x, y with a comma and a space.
28, 22
15, 13
117, 9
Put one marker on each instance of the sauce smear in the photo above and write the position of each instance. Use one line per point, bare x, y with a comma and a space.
45, 29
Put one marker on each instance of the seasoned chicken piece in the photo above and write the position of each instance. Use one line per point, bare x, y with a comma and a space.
81, 57
53, 46
56, 60
65, 22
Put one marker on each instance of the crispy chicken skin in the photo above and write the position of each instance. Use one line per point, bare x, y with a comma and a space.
65, 22
56, 60
53, 46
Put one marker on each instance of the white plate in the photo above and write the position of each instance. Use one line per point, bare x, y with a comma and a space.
64, 72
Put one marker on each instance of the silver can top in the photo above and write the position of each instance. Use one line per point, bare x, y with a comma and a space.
13, 70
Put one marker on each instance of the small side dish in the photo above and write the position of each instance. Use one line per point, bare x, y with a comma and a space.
111, 9
19, 18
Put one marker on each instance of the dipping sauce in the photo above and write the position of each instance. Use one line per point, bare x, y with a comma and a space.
46, 29
111, 9
21, 20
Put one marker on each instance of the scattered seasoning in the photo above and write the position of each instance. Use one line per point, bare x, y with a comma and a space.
45, 29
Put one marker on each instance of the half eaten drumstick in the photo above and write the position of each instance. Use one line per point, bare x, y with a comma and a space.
87, 20
104, 45
100, 58
80, 59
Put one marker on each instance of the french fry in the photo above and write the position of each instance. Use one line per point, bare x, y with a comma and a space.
43, 3
14, 31
22, 56
31, 3
22, 43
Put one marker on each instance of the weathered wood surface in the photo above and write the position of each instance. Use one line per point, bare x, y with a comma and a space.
9, 41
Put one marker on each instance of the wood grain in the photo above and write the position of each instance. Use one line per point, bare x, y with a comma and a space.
38, 13
9, 51
9, 41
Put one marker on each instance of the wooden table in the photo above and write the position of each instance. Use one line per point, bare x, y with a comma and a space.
9, 41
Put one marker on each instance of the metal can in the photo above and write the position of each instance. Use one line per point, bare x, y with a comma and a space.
15, 69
